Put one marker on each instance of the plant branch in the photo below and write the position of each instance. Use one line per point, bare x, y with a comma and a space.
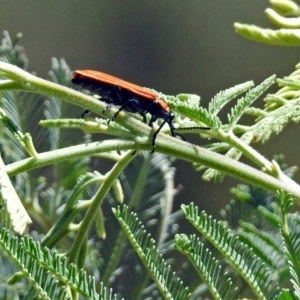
143, 134
96, 202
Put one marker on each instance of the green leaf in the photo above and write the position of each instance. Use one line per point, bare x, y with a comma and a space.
243, 103
12, 210
244, 261
286, 295
223, 97
285, 7
280, 37
167, 282
38, 263
290, 241
282, 21
194, 112
11, 52
208, 267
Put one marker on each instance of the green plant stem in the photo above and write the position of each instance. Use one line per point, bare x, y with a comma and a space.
227, 165
60, 155
167, 145
61, 227
143, 134
96, 202
247, 150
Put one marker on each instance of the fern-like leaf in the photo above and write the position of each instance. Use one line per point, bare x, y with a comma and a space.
236, 211
207, 266
283, 21
280, 37
55, 108
37, 276
194, 112
265, 246
36, 263
285, 201
281, 108
276, 120
223, 97
247, 100
169, 284
18, 105
11, 52
286, 7
287, 295
148, 189
60, 74
250, 267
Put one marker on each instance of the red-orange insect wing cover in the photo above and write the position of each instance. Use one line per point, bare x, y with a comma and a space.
114, 81
129, 96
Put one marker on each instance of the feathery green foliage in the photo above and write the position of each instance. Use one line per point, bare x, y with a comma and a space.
291, 244
195, 112
36, 264
244, 260
168, 283
210, 271
274, 235
245, 102
224, 97
281, 108
257, 244
284, 14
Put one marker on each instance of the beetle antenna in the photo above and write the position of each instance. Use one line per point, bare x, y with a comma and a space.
195, 128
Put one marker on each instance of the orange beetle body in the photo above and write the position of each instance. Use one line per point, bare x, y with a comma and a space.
130, 97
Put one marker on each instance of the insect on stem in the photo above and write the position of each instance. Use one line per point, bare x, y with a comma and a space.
130, 97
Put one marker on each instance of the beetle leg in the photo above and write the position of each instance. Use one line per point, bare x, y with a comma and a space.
182, 137
144, 117
85, 113
115, 114
156, 133
137, 107
152, 120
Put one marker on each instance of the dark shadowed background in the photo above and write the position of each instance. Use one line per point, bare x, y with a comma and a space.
172, 46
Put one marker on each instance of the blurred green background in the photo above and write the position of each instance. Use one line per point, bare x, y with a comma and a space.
170, 45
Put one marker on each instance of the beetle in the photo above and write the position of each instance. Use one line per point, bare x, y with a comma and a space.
130, 97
